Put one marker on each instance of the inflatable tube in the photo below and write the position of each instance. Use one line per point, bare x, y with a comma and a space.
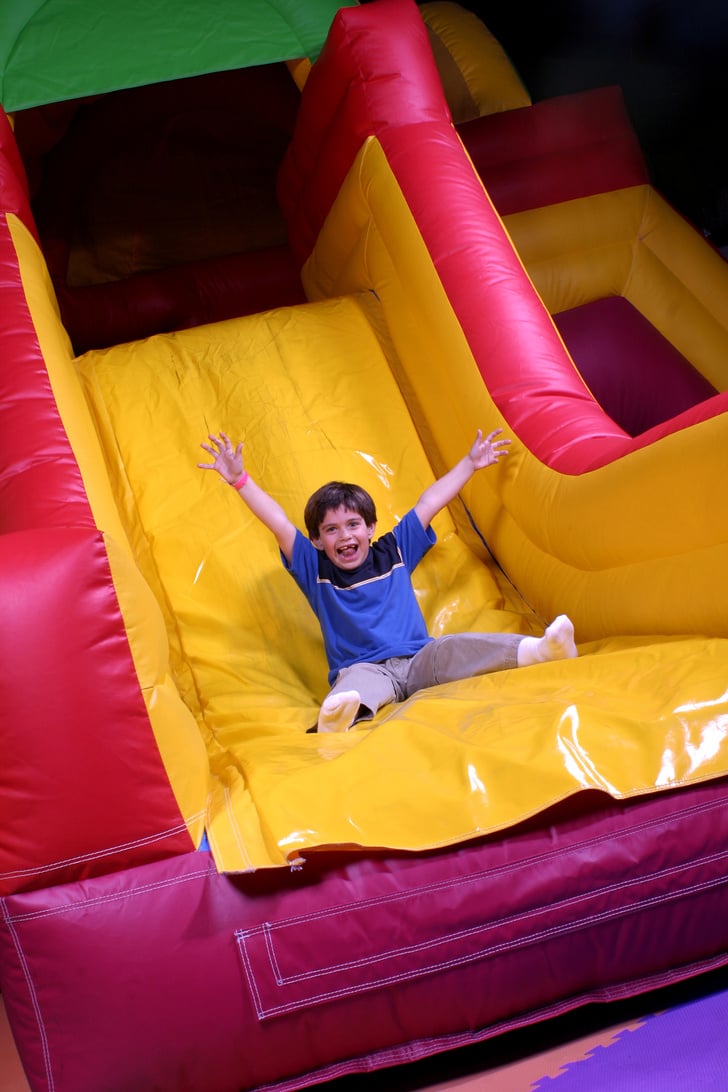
135, 43
586, 517
477, 76
541, 818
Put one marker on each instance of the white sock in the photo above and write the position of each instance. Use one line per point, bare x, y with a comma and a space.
557, 643
338, 711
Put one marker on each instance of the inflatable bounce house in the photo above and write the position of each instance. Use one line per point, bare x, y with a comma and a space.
197, 892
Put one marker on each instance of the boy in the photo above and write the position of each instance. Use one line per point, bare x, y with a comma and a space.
360, 590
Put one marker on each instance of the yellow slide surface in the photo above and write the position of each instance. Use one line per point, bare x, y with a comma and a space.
311, 393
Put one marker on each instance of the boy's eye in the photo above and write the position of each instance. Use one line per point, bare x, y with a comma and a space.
353, 524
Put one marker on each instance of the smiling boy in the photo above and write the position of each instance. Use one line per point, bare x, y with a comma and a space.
360, 589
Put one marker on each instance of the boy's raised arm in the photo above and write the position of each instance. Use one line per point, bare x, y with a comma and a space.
228, 462
484, 452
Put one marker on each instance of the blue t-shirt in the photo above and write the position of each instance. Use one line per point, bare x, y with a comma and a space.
370, 613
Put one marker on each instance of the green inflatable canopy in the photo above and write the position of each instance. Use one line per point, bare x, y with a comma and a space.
54, 50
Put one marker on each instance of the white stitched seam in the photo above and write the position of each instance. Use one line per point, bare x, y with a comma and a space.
237, 833
475, 877
267, 930
33, 998
150, 839
250, 975
116, 896
214, 844
280, 978
554, 931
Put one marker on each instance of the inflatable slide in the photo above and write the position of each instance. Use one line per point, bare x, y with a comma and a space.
197, 892
639, 299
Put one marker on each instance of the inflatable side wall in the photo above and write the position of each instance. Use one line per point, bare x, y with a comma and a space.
88, 705
607, 526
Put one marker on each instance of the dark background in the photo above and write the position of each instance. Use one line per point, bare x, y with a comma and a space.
670, 58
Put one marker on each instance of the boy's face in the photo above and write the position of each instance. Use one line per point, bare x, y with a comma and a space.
344, 537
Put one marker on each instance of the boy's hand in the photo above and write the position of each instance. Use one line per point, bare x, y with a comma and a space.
485, 452
227, 460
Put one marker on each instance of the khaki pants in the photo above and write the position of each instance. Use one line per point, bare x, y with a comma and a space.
445, 659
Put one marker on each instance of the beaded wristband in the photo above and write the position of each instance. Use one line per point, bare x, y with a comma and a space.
241, 481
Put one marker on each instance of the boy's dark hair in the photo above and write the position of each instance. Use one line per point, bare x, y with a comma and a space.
337, 495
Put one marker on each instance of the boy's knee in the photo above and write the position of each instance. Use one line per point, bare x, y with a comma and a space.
427, 665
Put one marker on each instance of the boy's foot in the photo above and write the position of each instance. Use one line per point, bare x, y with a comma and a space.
338, 711
557, 643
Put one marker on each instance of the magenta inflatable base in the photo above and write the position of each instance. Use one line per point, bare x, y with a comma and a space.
173, 977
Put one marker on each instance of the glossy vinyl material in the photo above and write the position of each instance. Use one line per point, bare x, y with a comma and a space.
310, 393
351, 385
488, 853
79, 617
584, 518
583, 143
225, 983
